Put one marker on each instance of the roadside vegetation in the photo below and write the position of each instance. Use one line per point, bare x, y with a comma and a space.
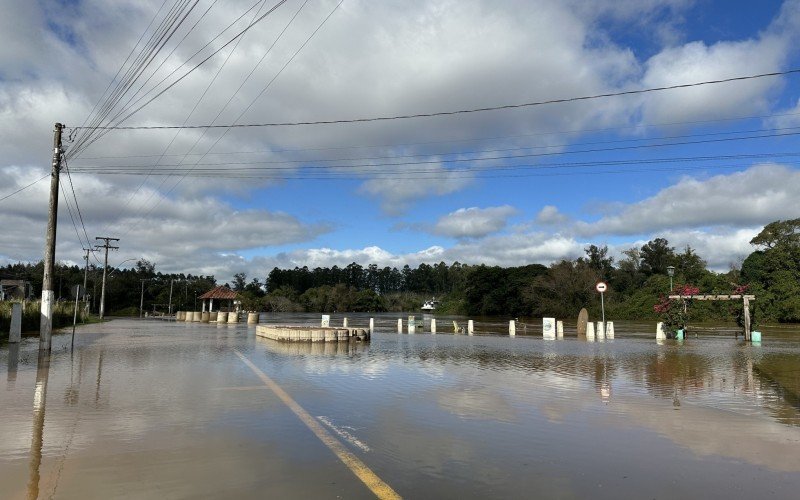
637, 282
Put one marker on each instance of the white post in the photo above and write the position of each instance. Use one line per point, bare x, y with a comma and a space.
560, 329
412, 324
344, 323
601, 331
610, 330
660, 335
512, 328
470, 327
371, 325
590, 332
399, 325
15, 334
548, 328
433, 325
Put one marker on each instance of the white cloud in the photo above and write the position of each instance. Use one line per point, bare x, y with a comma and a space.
473, 222
550, 216
756, 196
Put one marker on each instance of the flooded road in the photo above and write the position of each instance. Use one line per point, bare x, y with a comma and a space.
152, 409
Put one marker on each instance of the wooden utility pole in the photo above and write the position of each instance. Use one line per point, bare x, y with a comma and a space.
107, 246
48, 295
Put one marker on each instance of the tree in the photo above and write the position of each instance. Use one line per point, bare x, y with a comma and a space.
657, 255
599, 260
239, 281
780, 232
690, 265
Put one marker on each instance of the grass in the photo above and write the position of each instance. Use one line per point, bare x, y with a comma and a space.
62, 315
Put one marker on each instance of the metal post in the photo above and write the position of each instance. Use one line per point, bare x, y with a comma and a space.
48, 295
603, 309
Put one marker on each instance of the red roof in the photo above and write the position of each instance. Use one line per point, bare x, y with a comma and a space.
220, 292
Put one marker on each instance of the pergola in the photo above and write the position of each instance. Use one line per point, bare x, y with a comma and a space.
745, 304
225, 296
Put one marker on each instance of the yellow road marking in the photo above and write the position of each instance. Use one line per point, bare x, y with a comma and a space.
356, 466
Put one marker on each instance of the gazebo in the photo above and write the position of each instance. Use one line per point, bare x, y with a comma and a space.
225, 296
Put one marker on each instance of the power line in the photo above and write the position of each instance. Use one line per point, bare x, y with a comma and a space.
45, 176
461, 160
461, 111
77, 207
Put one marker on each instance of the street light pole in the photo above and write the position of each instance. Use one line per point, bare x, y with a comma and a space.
671, 272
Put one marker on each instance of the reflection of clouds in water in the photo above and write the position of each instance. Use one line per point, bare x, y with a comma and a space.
475, 402
710, 431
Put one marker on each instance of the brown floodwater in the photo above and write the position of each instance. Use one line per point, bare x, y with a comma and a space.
156, 409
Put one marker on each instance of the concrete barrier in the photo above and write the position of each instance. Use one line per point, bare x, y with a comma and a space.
660, 333
233, 317
548, 328
559, 329
311, 333
205, 317
344, 323
222, 317
512, 328
590, 332
213, 316
252, 318
470, 327
399, 325
371, 326
433, 325
610, 330
15, 332
326, 320
600, 332
412, 324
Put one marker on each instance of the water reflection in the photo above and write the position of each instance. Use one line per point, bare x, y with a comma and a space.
37, 434
13, 361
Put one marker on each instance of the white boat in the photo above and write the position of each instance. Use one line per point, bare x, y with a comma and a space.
430, 305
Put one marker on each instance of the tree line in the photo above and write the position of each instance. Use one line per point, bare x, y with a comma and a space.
636, 281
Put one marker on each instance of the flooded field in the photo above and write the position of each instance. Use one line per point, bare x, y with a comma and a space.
155, 409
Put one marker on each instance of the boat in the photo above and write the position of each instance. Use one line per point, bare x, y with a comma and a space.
430, 305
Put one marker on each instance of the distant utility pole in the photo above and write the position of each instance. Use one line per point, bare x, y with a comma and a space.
107, 246
141, 299
86, 270
48, 295
170, 296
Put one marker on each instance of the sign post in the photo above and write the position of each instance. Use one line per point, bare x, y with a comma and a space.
602, 287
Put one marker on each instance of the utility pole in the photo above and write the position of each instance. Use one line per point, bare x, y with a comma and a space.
107, 246
141, 300
86, 270
48, 295
170, 296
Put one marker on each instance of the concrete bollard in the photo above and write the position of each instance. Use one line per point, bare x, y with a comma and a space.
233, 317
252, 318
660, 333
548, 328
205, 317
15, 333
371, 325
212, 316
559, 329
512, 328
177, 315
590, 332
610, 330
222, 317
412, 324
470, 327
600, 332
433, 325
326, 321
399, 325
344, 323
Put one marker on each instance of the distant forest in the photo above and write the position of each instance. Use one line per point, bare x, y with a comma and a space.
636, 281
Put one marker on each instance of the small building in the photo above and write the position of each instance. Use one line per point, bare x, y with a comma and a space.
15, 290
227, 300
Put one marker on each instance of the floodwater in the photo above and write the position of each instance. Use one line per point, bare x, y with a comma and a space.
156, 409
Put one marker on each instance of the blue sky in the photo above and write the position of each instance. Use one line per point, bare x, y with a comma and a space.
389, 58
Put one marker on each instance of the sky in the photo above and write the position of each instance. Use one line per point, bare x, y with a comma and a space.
706, 166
